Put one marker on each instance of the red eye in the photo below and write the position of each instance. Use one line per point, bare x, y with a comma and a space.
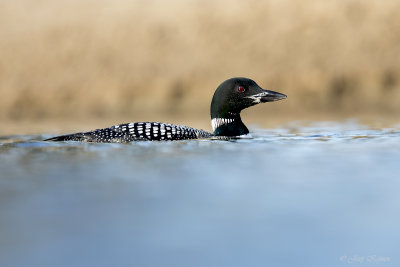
241, 89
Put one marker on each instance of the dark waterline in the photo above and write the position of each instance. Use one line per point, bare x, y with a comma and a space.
325, 195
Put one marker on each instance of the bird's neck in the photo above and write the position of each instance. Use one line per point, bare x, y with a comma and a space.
229, 124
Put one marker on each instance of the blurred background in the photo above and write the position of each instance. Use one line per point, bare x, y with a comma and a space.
91, 63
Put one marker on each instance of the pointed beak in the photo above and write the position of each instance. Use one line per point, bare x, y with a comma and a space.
267, 96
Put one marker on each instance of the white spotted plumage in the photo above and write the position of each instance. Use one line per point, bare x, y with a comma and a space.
139, 132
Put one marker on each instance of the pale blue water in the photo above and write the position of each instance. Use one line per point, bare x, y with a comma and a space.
326, 195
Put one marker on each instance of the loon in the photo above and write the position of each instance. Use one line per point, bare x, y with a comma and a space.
229, 99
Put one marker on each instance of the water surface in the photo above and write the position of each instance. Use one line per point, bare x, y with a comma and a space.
322, 195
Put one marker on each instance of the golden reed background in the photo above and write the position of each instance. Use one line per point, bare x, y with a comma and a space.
144, 60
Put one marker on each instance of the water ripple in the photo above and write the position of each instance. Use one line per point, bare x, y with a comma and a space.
315, 192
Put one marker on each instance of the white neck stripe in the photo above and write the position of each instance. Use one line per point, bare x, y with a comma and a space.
216, 122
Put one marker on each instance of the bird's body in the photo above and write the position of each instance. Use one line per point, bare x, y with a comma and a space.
138, 131
229, 99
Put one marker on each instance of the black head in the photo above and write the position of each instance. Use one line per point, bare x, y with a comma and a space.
236, 94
